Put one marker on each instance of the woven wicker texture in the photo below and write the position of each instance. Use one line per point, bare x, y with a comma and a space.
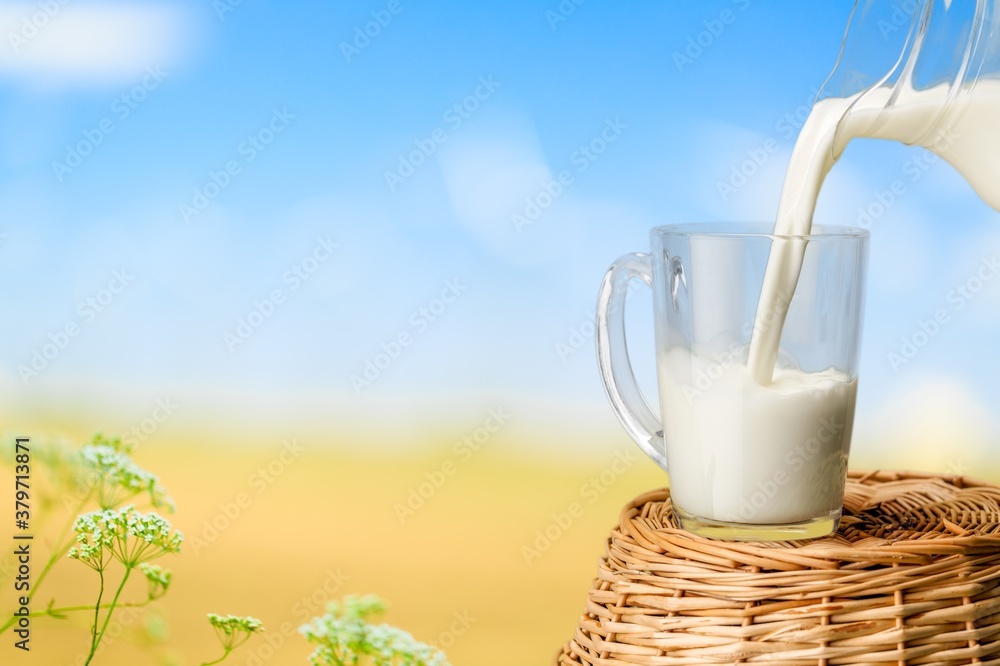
911, 577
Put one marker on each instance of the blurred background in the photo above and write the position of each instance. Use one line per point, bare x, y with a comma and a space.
339, 262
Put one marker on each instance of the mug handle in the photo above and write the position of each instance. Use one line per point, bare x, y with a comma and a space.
623, 391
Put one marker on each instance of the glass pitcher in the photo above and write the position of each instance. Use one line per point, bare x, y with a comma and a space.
925, 72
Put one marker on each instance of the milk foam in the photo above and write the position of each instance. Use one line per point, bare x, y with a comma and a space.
963, 133
747, 453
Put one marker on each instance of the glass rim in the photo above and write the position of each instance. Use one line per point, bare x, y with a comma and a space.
756, 230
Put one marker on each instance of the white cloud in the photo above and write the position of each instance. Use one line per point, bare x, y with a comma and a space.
56, 43
976, 259
490, 176
932, 423
733, 175
902, 249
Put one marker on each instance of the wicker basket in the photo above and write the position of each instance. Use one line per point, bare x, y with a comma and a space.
911, 577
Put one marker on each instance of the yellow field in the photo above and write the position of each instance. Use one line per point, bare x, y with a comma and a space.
494, 565
323, 525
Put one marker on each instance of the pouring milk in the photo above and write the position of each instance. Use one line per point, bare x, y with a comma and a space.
965, 135
773, 410
941, 92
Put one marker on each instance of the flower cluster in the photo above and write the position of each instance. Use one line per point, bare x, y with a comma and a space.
94, 540
127, 535
100, 439
158, 579
234, 630
117, 478
343, 635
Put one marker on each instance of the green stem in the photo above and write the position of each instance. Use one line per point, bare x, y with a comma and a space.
71, 609
111, 609
97, 618
220, 659
228, 647
59, 550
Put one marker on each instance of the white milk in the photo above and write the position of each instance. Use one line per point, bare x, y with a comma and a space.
748, 453
966, 134
760, 444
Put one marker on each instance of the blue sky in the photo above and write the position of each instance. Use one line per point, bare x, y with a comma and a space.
324, 123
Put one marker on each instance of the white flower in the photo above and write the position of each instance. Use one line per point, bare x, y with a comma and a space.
117, 478
126, 535
234, 630
343, 635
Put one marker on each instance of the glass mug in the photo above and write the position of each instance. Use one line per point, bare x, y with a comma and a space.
746, 461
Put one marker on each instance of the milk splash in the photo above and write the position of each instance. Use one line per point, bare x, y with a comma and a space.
964, 134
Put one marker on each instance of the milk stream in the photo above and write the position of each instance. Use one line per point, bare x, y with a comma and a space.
966, 134
774, 454
769, 444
